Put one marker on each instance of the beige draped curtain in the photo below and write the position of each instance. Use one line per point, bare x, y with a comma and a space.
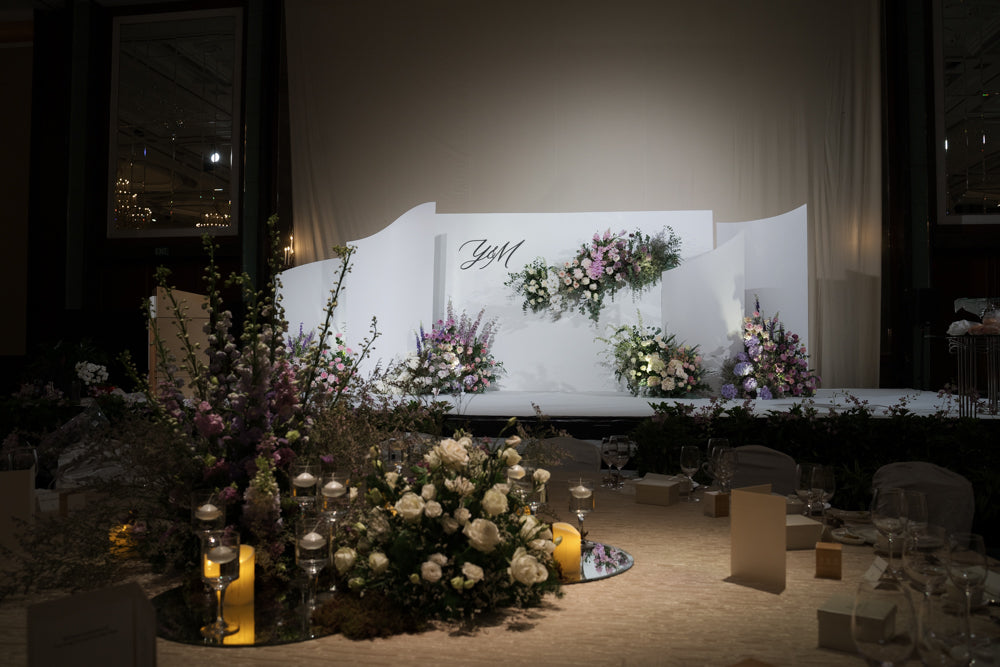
747, 109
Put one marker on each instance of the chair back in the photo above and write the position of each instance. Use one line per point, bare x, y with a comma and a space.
950, 500
757, 464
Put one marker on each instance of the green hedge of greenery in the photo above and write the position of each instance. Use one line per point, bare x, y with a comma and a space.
855, 441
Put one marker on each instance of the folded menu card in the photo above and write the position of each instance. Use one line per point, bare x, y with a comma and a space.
757, 538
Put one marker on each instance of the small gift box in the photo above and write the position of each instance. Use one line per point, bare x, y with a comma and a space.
715, 504
801, 532
828, 560
658, 490
834, 617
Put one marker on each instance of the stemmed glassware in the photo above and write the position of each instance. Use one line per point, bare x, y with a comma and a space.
967, 569
916, 511
581, 499
940, 636
725, 467
609, 454
807, 490
925, 559
715, 446
883, 623
690, 462
303, 477
825, 481
889, 516
220, 565
312, 551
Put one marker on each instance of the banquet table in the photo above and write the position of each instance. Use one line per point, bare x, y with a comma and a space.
673, 607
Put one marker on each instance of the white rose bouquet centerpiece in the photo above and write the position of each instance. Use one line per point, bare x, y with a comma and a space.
450, 538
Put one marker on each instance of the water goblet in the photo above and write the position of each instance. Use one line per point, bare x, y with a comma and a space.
690, 462
807, 490
967, 570
825, 481
715, 446
925, 559
916, 511
883, 622
312, 551
303, 477
609, 452
220, 566
208, 512
889, 516
581, 499
623, 452
940, 634
725, 467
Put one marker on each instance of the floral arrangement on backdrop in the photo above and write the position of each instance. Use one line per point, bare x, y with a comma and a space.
654, 365
454, 357
772, 364
601, 268
448, 538
337, 364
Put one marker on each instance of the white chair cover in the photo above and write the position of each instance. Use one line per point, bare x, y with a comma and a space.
757, 464
950, 501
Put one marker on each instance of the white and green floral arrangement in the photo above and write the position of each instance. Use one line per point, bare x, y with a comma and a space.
454, 357
609, 263
448, 539
653, 364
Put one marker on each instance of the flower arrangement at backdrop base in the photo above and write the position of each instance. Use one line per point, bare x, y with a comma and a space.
654, 365
450, 538
608, 264
772, 364
454, 357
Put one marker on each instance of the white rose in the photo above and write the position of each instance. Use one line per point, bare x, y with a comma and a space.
513, 441
546, 546
460, 485
378, 562
454, 455
344, 559
529, 526
502, 487
483, 535
428, 492
472, 572
430, 571
462, 515
391, 478
541, 476
439, 558
510, 456
410, 506
449, 524
494, 502
378, 524
526, 569
433, 509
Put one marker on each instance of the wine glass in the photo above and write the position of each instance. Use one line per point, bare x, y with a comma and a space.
690, 462
825, 481
623, 452
609, 453
715, 445
940, 633
312, 551
925, 559
883, 622
807, 490
889, 516
581, 499
208, 512
725, 467
303, 477
967, 570
220, 558
916, 511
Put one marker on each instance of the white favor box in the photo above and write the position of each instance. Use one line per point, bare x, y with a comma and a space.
801, 532
657, 490
834, 618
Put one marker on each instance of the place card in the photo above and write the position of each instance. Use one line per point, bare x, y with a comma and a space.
114, 626
757, 538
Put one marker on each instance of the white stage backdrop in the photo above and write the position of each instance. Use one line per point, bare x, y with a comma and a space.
746, 109
406, 274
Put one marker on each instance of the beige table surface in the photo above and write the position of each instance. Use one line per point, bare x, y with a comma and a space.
673, 607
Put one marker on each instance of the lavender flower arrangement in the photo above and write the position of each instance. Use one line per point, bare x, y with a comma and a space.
454, 357
772, 364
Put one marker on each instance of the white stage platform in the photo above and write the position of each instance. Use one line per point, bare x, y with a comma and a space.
604, 405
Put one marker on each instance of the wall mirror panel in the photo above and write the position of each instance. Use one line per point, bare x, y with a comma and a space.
175, 119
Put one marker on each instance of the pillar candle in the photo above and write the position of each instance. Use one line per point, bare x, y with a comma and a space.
567, 552
240, 592
242, 615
